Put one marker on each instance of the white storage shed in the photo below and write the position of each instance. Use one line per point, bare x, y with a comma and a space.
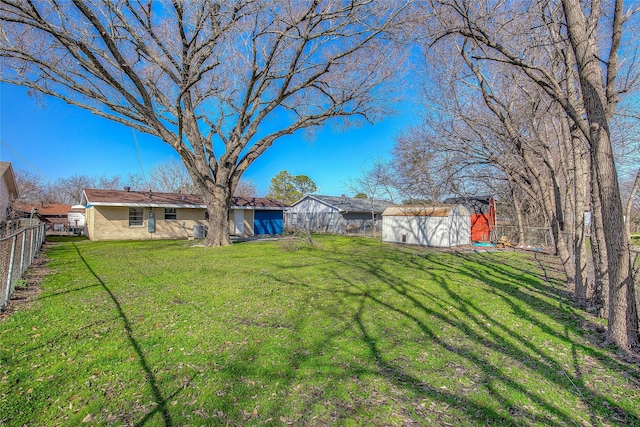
441, 226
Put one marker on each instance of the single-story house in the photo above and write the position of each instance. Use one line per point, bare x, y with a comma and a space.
483, 215
55, 216
441, 226
144, 215
8, 189
333, 214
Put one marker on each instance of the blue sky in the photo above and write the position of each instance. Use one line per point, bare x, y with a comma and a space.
61, 140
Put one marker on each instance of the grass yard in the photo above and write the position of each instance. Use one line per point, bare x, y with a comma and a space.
347, 332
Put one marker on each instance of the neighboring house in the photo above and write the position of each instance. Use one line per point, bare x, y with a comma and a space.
143, 215
54, 215
334, 214
440, 226
8, 189
483, 215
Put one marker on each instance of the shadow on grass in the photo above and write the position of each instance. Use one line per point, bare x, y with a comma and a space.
427, 292
160, 400
518, 287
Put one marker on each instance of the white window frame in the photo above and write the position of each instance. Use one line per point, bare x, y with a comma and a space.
136, 216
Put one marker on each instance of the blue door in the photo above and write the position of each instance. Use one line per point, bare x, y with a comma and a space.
268, 222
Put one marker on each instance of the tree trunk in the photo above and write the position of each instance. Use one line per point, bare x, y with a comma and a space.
628, 208
632, 300
580, 177
218, 205
518, 208
595, 104
599, 254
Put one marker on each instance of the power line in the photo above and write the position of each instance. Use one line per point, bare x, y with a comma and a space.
25, 160
135, 140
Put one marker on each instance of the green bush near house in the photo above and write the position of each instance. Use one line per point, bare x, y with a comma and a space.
346, 331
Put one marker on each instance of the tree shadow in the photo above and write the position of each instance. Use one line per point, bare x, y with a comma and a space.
356, 289
523, 291
161, 401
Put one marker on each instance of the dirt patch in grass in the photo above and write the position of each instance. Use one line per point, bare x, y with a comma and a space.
25, 294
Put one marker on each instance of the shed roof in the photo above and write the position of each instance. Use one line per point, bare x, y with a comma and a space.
419, 210
96, 197
349, 204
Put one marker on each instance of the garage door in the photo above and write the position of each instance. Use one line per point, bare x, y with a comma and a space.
268, 222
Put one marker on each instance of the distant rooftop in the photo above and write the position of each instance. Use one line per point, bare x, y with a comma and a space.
349, 204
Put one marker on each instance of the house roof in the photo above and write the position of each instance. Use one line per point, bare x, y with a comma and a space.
349, 204
45, 209
419, 210
94, 197
6, 170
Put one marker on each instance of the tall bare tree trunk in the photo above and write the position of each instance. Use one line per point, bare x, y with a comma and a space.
628, 208
580, 179
518, 208
632, 298
595, 103
599, 253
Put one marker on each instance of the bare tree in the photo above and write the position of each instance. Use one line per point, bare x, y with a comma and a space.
422, 169
592, 35
246, 188
376, 183
171, 177
69, 190
205, 76
31, 188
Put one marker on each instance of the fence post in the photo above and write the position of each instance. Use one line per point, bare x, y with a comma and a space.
24, 242
10, 274
33, 248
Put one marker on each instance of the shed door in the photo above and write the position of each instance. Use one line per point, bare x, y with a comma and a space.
238, 221
268, 222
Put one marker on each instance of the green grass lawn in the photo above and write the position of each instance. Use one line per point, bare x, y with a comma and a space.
346, 332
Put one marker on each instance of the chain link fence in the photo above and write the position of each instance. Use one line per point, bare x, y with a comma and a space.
533, 236
17, 252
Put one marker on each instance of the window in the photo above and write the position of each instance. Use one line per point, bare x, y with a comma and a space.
136, 217
170, 213
294, 218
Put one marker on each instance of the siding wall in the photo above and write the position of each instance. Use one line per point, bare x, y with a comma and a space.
436, 231
313, 215
460, 226
4, 199
417, 230
76, 216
